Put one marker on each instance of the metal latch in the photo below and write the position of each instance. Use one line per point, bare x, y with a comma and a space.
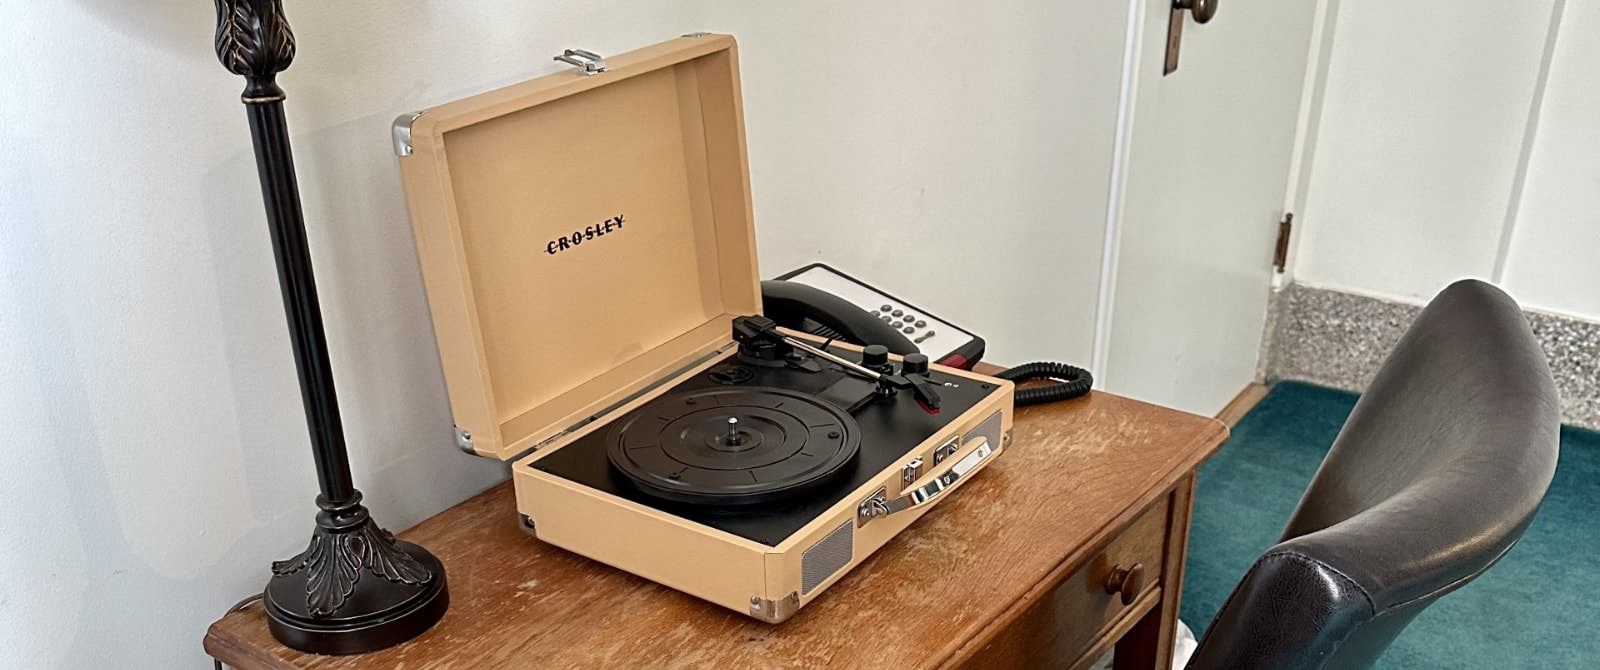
464, 441
587, 62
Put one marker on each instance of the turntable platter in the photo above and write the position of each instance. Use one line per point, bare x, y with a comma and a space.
732, 446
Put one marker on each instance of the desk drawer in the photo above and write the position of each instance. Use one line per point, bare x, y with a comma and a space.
1056, 630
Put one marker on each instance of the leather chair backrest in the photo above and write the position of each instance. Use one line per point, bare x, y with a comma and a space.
1436, 474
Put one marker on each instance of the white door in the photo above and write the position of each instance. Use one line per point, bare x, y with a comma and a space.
1208, 162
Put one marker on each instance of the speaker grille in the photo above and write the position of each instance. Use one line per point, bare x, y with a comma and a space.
827, 556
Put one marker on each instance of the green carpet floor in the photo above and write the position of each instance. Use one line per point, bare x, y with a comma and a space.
1539, 608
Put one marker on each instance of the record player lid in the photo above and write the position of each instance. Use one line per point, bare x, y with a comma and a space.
581, 235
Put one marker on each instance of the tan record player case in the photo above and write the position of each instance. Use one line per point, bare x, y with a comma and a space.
586, 240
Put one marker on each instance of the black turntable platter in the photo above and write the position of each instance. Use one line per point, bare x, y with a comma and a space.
739, 446
877, 434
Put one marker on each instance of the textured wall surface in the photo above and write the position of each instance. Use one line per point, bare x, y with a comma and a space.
1340, 339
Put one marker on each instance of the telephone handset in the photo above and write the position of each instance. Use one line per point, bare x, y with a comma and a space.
819, 312
820, 300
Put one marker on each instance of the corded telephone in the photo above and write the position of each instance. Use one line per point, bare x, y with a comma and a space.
821, 300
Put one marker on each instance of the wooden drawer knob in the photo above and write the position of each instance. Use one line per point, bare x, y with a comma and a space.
1126, 581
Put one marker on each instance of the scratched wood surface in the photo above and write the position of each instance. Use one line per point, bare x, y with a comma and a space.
1076, 474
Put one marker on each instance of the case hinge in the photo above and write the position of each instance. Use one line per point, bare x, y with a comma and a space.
588, 63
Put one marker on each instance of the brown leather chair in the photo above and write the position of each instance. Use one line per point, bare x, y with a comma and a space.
1434, 477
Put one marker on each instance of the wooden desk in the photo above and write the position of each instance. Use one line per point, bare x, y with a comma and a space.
1009, 572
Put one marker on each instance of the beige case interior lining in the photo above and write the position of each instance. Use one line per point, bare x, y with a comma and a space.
583, 236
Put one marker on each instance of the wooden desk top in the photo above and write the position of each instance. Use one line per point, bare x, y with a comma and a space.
1075, 474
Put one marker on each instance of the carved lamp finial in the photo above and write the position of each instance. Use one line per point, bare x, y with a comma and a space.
254, 41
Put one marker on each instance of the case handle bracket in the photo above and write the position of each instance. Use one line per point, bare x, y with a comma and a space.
588, 63
879, 505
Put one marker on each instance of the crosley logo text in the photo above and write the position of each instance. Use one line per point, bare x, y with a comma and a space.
588, 233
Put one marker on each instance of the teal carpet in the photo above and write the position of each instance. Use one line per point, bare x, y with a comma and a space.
1539, 608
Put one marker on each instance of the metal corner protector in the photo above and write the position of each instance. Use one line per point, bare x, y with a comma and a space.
402, 133
464, 441
775, 611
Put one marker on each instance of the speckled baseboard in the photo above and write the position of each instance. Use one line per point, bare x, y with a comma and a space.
1340, 339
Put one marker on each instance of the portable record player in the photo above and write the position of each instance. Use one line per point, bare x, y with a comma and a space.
589, 256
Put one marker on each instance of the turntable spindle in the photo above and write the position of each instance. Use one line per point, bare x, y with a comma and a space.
733, 430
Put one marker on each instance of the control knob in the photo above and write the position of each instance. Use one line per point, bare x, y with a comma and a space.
876, 357
914, 364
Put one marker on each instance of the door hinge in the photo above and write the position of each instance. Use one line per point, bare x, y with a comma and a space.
1280, 252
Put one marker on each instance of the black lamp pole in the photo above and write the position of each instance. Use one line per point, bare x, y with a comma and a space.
323, 600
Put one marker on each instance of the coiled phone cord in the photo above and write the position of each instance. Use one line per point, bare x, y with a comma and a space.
1067, 382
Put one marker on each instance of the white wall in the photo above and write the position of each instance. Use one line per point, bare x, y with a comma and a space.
1554, 262
159, 460
958, 153
1421, 127
1457, 144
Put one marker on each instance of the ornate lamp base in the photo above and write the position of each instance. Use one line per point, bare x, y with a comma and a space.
355, 589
